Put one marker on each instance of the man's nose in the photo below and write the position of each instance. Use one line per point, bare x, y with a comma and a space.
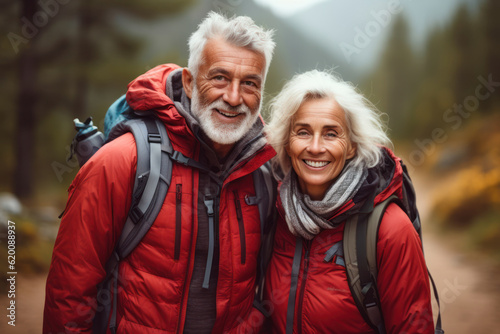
232, 95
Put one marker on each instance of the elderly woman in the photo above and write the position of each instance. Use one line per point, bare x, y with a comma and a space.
332, 162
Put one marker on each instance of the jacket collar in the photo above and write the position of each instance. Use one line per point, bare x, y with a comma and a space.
160, 91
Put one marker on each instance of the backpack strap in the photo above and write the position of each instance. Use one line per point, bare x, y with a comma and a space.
360, 255
409, 202
265, 199
410, 206
147, 199
361, 263
290, 310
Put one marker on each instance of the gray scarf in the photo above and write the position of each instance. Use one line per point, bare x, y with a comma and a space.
306, 217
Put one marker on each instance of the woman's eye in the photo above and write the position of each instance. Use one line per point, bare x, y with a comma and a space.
302, 133
331, 134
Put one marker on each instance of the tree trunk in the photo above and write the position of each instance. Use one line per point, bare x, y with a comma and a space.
25, 135
84, 57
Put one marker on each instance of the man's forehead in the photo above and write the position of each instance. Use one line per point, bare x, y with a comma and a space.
219, 55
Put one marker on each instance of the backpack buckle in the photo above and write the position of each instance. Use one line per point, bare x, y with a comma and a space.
154, 138
180, 158
251, 200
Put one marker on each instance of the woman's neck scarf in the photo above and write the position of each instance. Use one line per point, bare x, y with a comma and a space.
306, 217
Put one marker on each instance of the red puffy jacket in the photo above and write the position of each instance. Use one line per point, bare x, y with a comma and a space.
324, 303
153, 287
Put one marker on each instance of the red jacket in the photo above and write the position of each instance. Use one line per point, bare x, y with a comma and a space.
153, 287
324, 302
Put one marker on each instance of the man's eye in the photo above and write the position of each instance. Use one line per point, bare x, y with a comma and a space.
250, 83
219, 78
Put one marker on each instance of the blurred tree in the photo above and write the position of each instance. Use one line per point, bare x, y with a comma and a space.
65, 53
394, 80
464, 47
27, 98
433, 92
98, 39
490, 32
8, 89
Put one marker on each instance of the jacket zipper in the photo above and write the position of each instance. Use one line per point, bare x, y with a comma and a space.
241, 226
184, 285
303, 286
178, 221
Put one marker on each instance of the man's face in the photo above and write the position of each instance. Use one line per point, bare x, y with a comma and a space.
226, 94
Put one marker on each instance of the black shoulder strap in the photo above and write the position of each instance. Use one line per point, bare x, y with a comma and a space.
265, 198
409, 204
153, 165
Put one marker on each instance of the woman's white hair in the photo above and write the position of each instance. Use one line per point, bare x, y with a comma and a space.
240, 31
365, 127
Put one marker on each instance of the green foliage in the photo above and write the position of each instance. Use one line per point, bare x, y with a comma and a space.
32, 252
416, 90
468, 189
394, 79
79, 53
485, 232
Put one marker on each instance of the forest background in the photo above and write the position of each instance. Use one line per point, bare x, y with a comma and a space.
432, 68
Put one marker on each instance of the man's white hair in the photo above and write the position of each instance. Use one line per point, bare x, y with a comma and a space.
365, 128
239, 31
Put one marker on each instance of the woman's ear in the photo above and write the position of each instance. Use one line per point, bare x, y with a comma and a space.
287, 148
351, 152
187, 82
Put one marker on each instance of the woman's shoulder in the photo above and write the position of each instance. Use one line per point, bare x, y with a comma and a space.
396, 228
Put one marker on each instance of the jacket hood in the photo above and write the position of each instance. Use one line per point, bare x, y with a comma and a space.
160, 91
147, 93
382, 181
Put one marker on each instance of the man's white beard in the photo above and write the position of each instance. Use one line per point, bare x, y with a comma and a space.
220, 132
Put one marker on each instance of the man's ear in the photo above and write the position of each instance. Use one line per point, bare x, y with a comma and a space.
187, 82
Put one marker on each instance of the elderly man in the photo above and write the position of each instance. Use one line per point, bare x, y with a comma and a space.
167, 284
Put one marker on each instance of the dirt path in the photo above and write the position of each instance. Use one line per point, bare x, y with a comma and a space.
468, 284
30, 296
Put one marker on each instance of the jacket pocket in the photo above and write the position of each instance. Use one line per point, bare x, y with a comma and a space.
241, 226
178, 221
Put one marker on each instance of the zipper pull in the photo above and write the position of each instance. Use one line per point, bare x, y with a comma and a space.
209, 204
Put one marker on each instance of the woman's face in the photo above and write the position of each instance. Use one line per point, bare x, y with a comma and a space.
319, 145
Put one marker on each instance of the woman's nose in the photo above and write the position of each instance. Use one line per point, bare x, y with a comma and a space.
316, 145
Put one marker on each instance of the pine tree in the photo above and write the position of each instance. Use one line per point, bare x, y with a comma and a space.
63, 51
490, 37
394, 79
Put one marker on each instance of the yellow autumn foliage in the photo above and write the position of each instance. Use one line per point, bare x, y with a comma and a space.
473, 192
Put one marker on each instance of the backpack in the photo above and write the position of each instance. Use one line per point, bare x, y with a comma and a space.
357, 252
155, 159
360, 254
